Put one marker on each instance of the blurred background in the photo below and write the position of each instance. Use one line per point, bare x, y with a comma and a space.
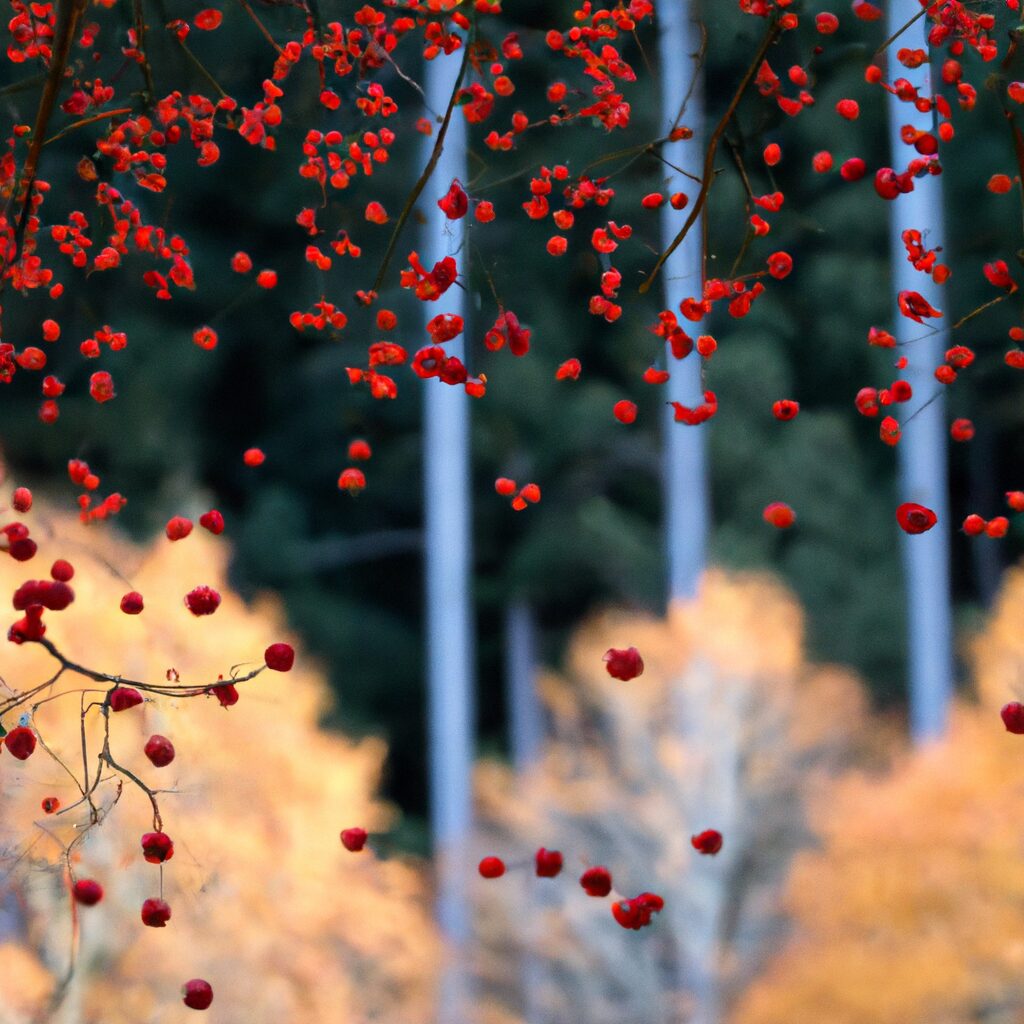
734, 720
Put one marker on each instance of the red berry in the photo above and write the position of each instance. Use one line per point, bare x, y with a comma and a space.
623, 664
20, 741
354, 839
160, 750
1015, 499
997, 527
352, 480
785, 409
157, 847
961, 430
156, 913
62, 570
50, 805
212, 521
1013, 717
178, 527
504, 486
492, 867
131, 603
625, 411
197, 994
974, 525
124, 697
279, 657
914, 518
548, 863
779, 515
853, 169
359, 451
596, 881
202, 601
253, 457
708, 842
636, 913
22, 500
87, 892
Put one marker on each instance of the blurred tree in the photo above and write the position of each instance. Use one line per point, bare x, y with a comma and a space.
618, 784
265, 901
912, 910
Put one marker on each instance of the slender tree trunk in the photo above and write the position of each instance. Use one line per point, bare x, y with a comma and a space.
448, 562
687, 505
685, 473
526, 723
922, 451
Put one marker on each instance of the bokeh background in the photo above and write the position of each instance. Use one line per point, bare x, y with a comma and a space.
347, 574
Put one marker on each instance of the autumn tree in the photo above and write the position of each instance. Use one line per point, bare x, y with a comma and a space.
911, 909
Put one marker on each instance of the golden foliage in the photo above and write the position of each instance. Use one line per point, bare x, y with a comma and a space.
912, 911
727, 728
267, 905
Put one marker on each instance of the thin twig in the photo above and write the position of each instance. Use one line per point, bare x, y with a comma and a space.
421, 184
709, 158
87, 121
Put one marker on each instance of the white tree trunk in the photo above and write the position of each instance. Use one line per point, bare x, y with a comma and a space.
448, 561
685, 474
922, 449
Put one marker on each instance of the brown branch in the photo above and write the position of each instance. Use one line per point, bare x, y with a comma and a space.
917, 17
68, 13
259, 24
87, 121
421, 184
140, 45
709, 157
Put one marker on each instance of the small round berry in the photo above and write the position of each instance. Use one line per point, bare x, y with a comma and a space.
596, 881
178, 528
548, 863
202, 601
974, 525
625, 411
492, 867
254, 457
197, 994
50, 805
160, 750
914, 518
212, 521
22, 500
1012, 715
354, 839
20, 741
156, 913
624, 664
708, 842
157, 847
124, 697
87, 892
62, 570
279, 657
132, 603
779, 515
785, 409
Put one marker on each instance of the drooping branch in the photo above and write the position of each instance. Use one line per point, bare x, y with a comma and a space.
709, 158
68, 14
421, 183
